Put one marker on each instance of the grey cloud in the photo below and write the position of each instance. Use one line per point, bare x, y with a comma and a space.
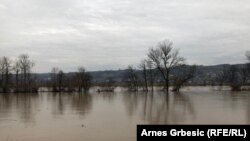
110, 34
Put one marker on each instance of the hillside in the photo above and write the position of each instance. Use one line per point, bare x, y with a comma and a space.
204, 74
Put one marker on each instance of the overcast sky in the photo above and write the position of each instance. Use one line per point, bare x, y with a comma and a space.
111, 34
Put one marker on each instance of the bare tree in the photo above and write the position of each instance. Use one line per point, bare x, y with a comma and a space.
60, 79
143, 66
69, 82
165, 59
80, 81
221, 76
185, 73
244, 75
5, 64
87, 82
132, 79
57, 79
26, 66
79, 78
151, 74
53, 77
83, 80
16, 69
233, 76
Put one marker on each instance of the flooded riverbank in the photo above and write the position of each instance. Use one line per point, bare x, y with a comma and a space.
114, 116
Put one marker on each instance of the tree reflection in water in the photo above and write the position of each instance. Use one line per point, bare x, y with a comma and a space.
160, 108
81, 103
107, 96
25, 106
236, 100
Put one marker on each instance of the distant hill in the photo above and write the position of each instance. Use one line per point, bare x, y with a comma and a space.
204, 74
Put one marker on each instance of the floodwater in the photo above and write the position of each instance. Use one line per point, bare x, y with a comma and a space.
114, 116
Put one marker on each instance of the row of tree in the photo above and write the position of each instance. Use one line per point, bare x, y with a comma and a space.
16, 76
159, 65
235, 76
79, 81
162, 67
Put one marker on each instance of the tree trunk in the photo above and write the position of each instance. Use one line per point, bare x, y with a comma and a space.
167, 81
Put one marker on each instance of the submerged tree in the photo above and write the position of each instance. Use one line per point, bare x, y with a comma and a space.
132, 79
57, 79
78, 81
233, 76
17, 70
185, 73
60, 79
87, 82
244, 75
27, 79
221, 76
53, 79
165, 58
23, 81
83, 80
143, 66
5, 69
151, 74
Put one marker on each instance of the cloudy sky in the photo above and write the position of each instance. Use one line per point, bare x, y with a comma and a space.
111, 34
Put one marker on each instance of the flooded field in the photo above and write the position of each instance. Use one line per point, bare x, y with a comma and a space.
114, 116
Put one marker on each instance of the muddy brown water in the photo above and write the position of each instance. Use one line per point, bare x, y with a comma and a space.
113, 116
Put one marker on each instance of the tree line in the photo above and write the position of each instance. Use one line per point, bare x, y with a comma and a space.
163, 67
235, 76
16, 75
79, 81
